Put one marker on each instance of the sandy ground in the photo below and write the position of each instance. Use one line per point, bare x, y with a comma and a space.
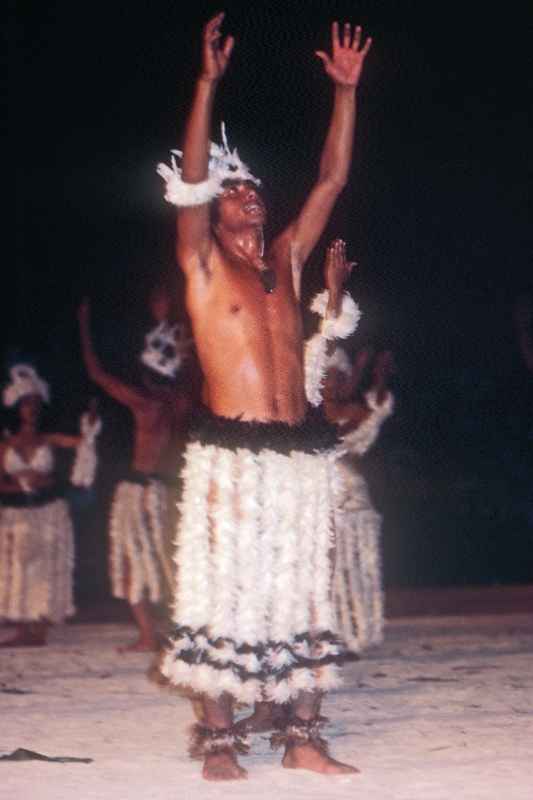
444, 709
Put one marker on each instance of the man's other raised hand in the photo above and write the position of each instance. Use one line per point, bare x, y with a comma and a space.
345, 64
216, 51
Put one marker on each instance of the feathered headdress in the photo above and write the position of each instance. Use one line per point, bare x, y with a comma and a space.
24, 381
224, 164
166, 347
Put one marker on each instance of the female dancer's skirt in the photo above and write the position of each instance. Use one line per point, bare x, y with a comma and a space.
36, 559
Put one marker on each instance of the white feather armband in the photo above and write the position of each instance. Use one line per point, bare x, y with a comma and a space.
224, 164
180, 193
84, 467
363, 437
316, 355
336, 327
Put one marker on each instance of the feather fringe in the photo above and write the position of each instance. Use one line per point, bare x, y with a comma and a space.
253, 607
316, 347
336, 327
86, 461
36, 563
358, 575
137, 534
358, 441
180, 193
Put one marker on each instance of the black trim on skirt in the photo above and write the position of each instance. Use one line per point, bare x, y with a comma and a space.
314, 434
31, 499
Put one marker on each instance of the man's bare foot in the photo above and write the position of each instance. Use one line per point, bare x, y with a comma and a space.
140, 646
308, 756
223, 766
265, 717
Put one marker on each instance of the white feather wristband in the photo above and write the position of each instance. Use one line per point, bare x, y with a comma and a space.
344, 324
363, 437
315, 355
85, 463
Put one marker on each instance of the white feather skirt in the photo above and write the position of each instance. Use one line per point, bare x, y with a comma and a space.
36, 563
358, 583
253, 608
140, 564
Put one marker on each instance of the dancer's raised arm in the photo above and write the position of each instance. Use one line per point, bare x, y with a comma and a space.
193, 221
118, 390
344, 67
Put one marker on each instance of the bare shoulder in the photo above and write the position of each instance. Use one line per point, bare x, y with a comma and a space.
280, 249
286, 258
202, 268
196, 259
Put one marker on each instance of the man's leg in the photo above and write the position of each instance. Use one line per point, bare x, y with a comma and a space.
147, 636
220, 761
29, 634
304, 749
266, 716
147, 640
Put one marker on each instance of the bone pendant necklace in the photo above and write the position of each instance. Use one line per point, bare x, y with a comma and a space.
268, 279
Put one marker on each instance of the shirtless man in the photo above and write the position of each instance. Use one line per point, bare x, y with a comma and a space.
253, 603
141, 513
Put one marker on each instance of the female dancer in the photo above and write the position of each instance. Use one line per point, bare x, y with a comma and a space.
36, 538
357, 580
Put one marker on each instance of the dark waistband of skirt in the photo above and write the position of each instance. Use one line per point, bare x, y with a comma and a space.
31, 499
145, 478
314, 434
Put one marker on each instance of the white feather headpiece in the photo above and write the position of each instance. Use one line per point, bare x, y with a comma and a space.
166, 347
224, 164
24, 381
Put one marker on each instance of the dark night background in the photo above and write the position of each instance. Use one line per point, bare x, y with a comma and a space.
436, 213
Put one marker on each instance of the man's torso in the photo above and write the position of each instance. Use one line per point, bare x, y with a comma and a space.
249, 341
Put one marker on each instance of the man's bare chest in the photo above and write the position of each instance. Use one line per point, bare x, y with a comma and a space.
248, 295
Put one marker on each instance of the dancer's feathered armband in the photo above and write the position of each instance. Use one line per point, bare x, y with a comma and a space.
86, 461
316, 355
363, 437
224, 164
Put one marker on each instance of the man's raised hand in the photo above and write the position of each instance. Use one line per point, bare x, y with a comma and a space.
337, 268
345, 64
336, 273
216, 53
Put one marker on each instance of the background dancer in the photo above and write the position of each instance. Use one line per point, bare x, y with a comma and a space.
253, 609
358, 583
141, 514
36, 537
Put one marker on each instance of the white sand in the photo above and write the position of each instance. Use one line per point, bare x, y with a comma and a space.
443, 710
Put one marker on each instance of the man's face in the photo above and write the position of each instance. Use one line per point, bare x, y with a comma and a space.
240, 205
30, 408
159, 304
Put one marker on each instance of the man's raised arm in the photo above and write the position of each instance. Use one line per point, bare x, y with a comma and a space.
193, 221
344, 67
118, 390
